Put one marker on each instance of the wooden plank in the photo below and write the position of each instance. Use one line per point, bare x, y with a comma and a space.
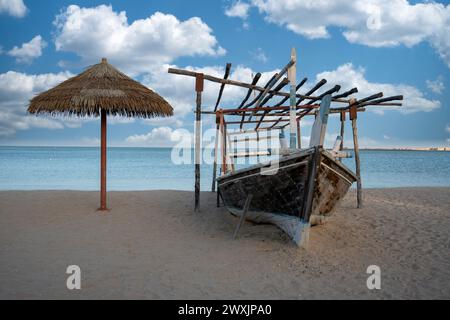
244, 213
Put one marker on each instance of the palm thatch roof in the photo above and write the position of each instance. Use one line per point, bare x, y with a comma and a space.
101, 87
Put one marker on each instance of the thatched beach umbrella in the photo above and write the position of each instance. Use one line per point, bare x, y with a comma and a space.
101, 90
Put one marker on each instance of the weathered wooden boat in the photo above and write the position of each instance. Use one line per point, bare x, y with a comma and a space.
286, 190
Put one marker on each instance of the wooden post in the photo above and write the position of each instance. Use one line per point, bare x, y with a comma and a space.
292, 76
229, 152
299, 135
353, 117
244, 213
213, 187
223, 144
103, 206
199, 79
342, 130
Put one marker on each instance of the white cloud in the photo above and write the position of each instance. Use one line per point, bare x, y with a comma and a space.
98, 32
160, 137
348, 76
259, 55
375, 23
15, 91
238, 9
437, 86
447, 128
29, 50
15, 8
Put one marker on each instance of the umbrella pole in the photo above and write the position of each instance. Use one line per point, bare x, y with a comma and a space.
103, 163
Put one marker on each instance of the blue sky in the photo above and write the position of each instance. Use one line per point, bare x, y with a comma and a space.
398, 47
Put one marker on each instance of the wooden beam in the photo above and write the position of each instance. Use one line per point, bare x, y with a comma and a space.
346, 94
296, 89
244, 85
257, 98
249, 92
319, 85
227, 74
380, 101
278, 88
336, 88
272, 83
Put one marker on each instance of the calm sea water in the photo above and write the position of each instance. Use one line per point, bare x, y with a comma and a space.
57, 168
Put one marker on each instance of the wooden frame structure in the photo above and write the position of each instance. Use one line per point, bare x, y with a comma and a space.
265, 115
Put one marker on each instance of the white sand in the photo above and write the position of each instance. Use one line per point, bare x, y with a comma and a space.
151, 245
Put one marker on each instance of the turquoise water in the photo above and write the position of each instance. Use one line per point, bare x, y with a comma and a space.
57, 168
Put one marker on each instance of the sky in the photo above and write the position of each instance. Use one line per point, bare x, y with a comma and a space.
394, 46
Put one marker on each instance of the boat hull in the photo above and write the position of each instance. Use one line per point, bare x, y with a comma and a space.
280, 189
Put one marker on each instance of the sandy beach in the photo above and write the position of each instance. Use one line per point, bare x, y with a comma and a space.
151, 245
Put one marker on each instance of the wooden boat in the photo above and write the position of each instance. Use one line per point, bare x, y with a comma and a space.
281, 187
296, 190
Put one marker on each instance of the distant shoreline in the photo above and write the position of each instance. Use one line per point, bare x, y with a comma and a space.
140, 147
405, 149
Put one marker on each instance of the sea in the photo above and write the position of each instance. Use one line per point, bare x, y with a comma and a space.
77, 168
